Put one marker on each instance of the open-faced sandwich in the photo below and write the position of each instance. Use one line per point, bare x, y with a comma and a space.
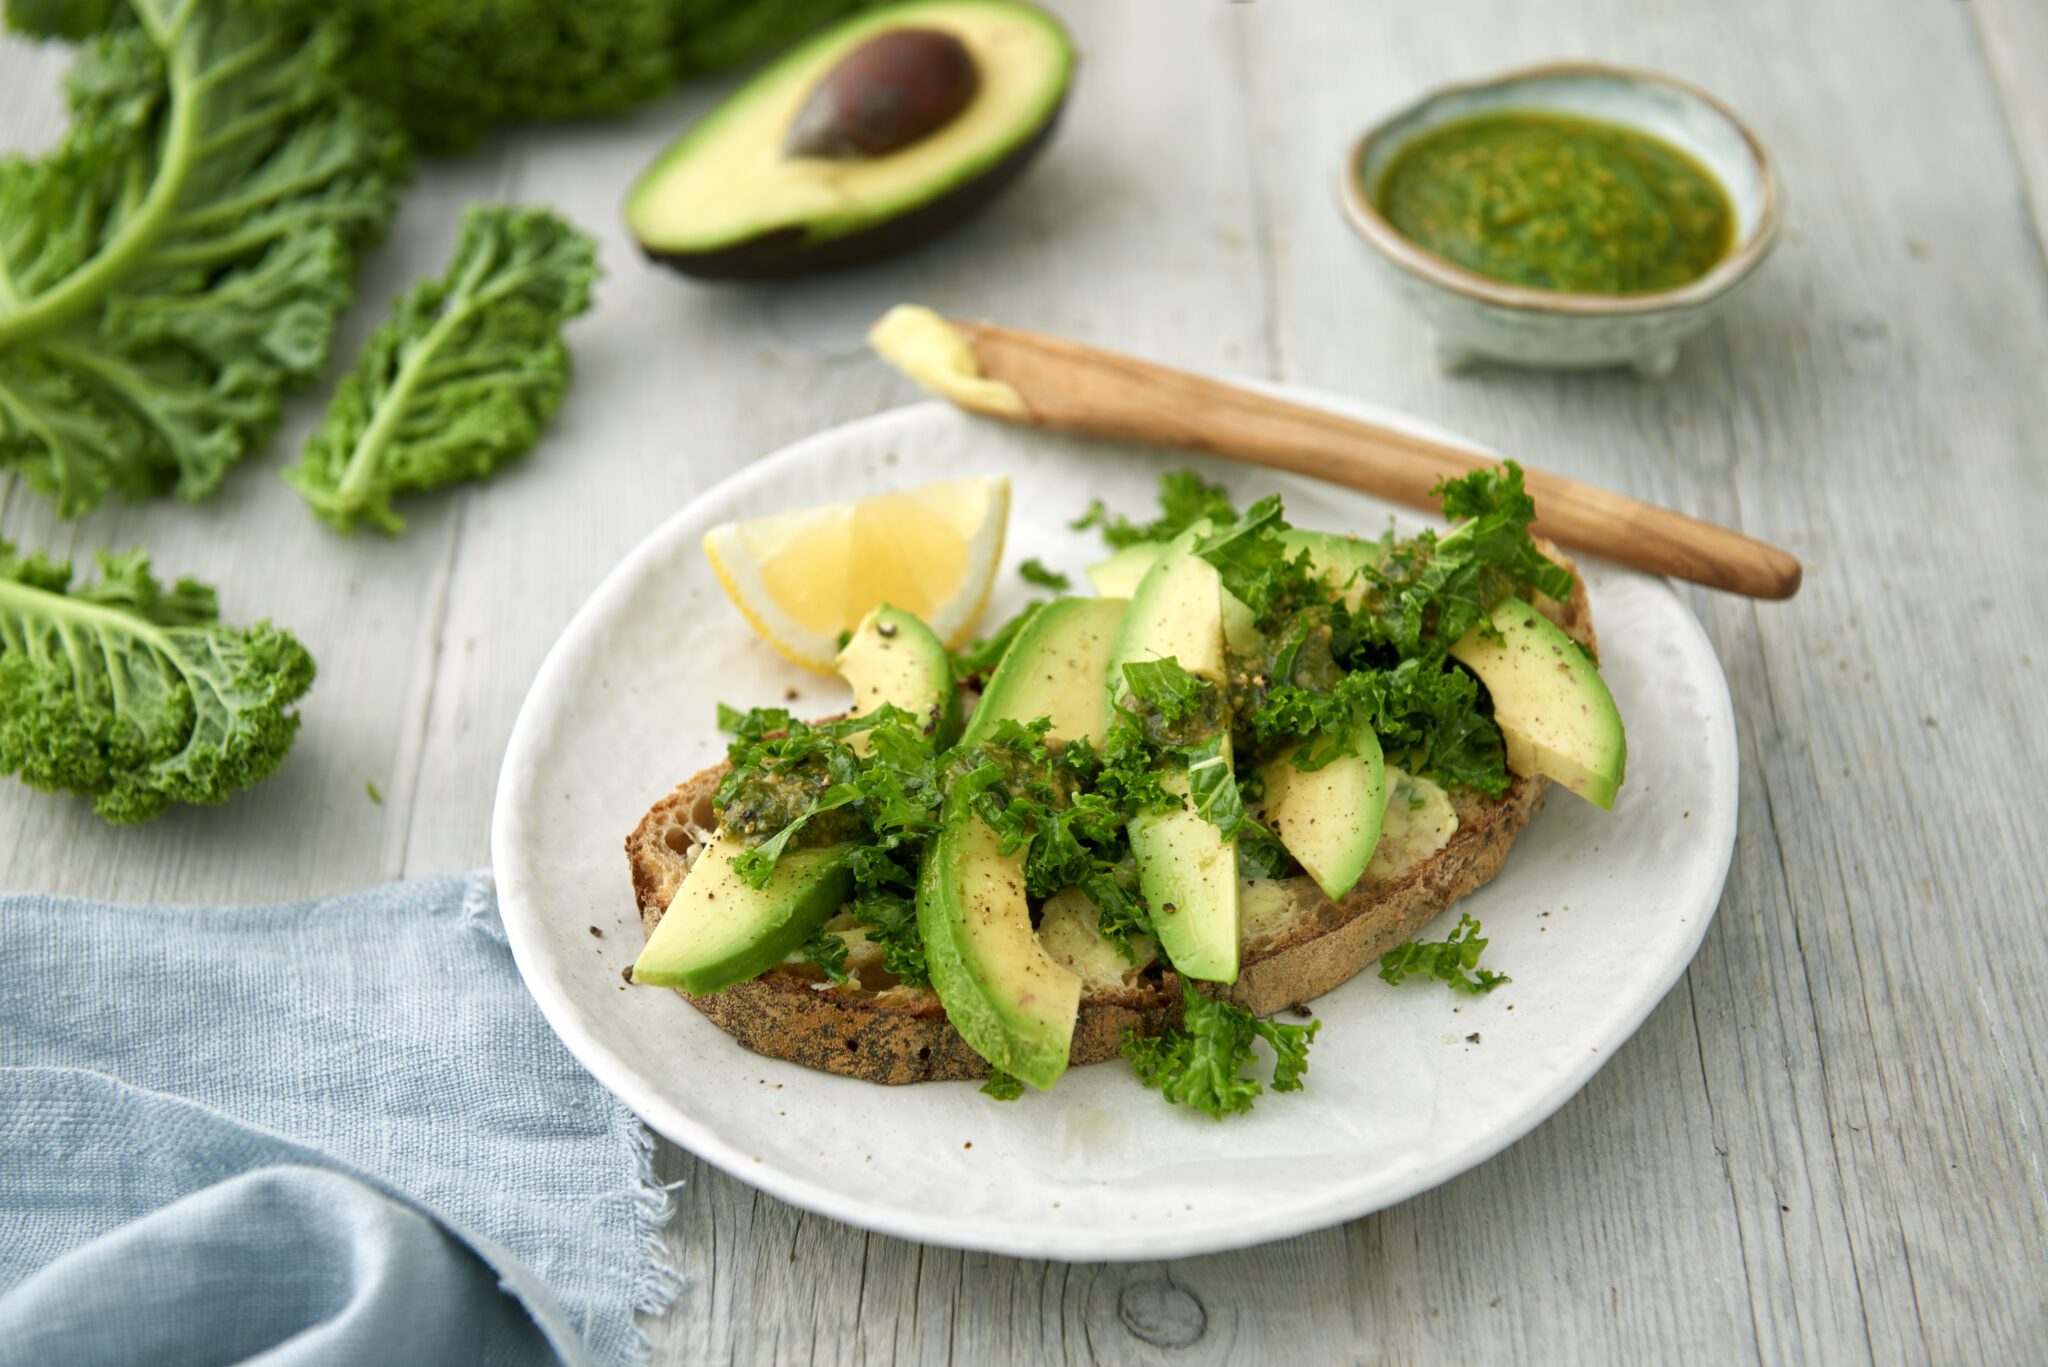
1262, 760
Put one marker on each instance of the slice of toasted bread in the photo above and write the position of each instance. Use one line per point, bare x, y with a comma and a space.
877, 1029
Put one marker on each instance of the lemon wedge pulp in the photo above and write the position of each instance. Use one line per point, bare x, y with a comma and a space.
804, 576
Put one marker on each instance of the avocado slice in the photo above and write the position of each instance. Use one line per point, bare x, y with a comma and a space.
894, 658
1011, 1001
1055, 668
718, 930
1008, 998
732, 200
1187, 871
1118, 576
1552, 707
1329, 819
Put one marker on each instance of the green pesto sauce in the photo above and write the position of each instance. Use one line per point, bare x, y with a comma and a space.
1558, 202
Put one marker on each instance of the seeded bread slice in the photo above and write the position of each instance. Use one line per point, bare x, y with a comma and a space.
880, 1030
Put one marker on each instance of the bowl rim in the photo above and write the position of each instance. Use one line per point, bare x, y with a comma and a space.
1374, 227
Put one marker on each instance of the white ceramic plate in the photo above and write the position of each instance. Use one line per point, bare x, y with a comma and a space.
1595, 915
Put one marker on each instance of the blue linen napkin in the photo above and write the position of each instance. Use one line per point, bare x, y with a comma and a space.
312, 1132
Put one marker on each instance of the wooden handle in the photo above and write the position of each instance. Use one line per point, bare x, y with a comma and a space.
1073, 388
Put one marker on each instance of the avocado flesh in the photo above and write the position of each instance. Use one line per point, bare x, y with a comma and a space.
1329, 819
894, 658
718, 930
726, 200
1010, 1000
1552, 707
1055, 668
1006, 996
1118, 577
1187, 871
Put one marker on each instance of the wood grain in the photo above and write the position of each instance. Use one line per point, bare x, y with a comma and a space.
1825, 1146
1069, 387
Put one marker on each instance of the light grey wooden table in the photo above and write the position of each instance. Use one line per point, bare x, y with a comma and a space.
1826, 1145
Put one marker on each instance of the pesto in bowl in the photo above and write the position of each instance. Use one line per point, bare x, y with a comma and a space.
1556, 201
1568, 215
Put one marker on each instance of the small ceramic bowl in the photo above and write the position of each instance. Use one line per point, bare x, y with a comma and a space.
1474, 317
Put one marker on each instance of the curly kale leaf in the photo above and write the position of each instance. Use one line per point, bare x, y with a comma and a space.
134, 695
1201, 1062
1034, 571
1184, 499
181, 259
1432, 590
452, 68
464, 376
1001, 1086
1453, 960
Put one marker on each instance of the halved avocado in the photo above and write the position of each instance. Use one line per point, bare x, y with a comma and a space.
730, 200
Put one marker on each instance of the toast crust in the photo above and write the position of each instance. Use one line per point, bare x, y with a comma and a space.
878, 1030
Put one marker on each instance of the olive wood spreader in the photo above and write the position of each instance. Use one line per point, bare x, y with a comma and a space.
1068, 387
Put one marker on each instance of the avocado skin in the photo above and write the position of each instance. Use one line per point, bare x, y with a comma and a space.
786, 252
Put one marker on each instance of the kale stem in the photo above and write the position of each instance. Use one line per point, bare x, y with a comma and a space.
351, 490
83, 290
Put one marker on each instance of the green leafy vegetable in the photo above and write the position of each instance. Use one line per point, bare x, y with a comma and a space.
1035, 572
370, 787
1167, 687
793, 782
1253, 563
1002, 1086
1424, 710
1184, 499
1201, 1062
1450, 960
134, 695
828, 952
1432, 590
464, 376
451, 68
181, 259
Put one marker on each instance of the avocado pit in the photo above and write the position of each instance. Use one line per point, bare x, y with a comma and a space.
891, 91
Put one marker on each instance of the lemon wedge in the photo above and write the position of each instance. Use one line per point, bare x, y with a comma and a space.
804, 576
